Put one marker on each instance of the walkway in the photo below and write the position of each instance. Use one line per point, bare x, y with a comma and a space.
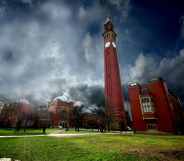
66, 135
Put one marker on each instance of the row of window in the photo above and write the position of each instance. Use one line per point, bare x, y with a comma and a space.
148, 108
146, 99
147, 104
109, 35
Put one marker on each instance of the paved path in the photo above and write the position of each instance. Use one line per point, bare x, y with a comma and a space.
7, 159
65, 135
19, 136
53, 135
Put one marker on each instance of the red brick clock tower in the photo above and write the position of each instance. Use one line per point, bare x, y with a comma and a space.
113, 90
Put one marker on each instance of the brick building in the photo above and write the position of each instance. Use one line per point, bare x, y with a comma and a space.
61, 113
155, 108
8, 114
12, 113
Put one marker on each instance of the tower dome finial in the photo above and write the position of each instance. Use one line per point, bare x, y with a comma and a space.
108, 25
108, 19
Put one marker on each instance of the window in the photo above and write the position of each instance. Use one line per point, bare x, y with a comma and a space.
147, 104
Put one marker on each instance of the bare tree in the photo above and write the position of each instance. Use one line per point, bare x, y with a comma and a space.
77, 112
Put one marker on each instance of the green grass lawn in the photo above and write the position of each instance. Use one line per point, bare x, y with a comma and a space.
103, 147
8, 132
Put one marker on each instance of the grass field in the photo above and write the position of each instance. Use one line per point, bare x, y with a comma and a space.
102, 147
7, 132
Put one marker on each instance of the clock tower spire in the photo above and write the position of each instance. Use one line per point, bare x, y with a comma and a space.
113, 91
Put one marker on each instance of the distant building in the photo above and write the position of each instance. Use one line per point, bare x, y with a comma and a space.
8, 114
61, 112
154, 108
1, 106
40, 116
12, 113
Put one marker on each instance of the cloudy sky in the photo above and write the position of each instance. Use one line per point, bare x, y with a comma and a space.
54, 47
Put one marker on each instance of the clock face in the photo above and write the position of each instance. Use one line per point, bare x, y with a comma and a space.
107, 44
113, 44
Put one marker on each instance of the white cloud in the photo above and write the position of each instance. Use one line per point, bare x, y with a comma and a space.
143, 69
56, 11
93, 14
147, 68
40, 59
116, 2
2, 11
123, 6
78, 104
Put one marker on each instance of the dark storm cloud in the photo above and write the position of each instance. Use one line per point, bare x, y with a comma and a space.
52, 47
90, 95
170, 69
47, 48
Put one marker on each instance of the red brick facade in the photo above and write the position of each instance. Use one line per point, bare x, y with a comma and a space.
113, 91
154, 107
61, 111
